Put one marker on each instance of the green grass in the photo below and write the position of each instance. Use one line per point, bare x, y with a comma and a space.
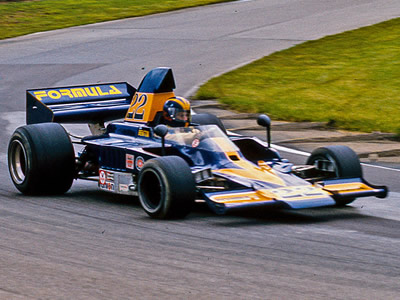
351, 80
24, 17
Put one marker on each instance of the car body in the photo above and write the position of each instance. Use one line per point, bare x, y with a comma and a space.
169, 167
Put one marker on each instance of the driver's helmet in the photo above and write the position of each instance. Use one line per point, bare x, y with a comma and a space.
176, 112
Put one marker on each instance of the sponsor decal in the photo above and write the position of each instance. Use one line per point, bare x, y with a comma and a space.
106, 180
102, 177
297, 192
139, 163
144, 132
79, 92
195, 143
124, 188
130, 161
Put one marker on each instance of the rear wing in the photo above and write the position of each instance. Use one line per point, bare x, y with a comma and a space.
79, 104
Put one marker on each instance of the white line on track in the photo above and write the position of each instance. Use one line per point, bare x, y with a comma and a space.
284, 149
380, 167
288, 150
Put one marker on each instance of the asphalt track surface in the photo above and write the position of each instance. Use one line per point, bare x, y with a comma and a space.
88, 244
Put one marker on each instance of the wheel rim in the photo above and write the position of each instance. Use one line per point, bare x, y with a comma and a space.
326, 164
18, 162
151, 191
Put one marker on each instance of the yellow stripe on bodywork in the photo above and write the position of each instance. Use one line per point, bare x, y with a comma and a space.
249, 171
245, 168
347, 187
245, 197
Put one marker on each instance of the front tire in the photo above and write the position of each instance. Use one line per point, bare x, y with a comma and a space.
339, 162
41, 159
166, 188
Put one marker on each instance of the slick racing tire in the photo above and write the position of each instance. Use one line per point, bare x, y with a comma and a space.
208, 119
341, 161
166, 188
41, 159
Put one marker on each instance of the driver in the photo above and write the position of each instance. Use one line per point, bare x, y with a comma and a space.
176, 113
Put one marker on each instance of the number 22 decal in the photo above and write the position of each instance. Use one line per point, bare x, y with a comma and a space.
138, 106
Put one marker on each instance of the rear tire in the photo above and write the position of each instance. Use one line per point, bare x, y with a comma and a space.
41, 159
166, 188
341, 161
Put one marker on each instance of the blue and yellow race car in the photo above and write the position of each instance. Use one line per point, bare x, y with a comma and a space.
168, 167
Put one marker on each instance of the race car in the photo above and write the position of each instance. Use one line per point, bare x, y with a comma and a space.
168, 167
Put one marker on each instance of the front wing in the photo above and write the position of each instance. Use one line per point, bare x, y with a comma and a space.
324, 193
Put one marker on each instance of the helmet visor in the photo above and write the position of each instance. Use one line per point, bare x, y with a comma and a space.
178, 114
182, 115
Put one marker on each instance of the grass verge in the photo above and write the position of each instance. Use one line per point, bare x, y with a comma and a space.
24, 17
351, 80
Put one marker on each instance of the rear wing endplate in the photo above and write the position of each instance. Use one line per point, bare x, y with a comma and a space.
79, 104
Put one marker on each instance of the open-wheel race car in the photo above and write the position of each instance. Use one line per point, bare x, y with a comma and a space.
168, 167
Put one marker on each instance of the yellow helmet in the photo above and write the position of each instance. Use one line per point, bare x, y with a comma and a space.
176, 112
